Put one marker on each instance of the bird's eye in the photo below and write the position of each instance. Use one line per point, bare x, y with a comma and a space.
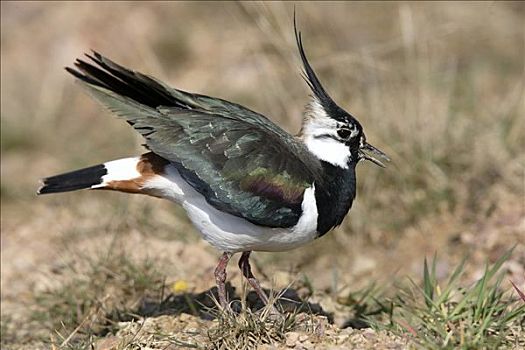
344, 133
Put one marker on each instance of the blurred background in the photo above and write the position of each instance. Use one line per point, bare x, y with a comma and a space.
438, 86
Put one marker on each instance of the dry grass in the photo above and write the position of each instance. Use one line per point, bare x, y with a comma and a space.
438, 86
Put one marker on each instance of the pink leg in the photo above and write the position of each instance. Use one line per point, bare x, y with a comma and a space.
244, 265
220, 278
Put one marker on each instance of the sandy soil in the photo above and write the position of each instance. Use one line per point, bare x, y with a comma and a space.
407, 70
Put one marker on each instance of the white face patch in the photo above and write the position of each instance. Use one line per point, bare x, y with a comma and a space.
329, 150
319, 133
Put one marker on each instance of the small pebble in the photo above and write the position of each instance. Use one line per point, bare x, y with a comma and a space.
369, 334
291, 339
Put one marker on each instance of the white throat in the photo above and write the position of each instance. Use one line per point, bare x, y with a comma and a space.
319, 133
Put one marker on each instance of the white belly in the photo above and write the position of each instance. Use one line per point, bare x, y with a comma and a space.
230, 233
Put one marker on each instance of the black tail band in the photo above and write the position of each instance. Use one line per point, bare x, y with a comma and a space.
74, 180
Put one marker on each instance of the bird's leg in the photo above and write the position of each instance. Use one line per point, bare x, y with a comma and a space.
244, 265
220, 278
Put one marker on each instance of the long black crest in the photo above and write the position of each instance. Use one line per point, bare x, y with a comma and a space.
331, 108
309, 75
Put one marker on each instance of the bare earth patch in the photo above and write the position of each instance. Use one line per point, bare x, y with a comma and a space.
439, 87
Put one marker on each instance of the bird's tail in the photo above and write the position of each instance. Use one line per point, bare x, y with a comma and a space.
126, 175
74, 180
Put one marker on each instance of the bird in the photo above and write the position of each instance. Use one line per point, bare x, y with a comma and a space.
244, 182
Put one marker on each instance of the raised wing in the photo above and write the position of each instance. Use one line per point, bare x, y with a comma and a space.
151, 92
242, 162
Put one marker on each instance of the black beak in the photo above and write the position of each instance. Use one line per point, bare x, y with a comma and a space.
371, 149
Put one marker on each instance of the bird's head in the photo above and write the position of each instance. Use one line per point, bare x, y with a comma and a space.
330, 133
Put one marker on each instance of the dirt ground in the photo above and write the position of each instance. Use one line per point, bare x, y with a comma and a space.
438, 86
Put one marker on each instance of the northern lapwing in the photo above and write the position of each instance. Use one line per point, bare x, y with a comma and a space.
245, 183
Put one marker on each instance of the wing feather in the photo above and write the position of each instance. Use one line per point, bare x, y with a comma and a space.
242, 162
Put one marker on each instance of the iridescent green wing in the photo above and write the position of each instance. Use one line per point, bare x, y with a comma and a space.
242, 169
242, 162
